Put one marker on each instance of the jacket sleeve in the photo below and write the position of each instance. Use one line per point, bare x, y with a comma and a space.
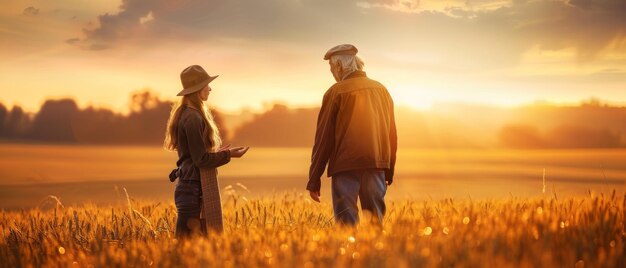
194, 128
324, 142
393, 141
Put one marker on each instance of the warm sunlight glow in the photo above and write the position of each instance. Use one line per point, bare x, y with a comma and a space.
449, 56
412, 97
313, 133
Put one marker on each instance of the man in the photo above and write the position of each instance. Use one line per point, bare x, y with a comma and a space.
356, 136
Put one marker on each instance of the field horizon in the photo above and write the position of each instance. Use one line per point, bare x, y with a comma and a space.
77, 174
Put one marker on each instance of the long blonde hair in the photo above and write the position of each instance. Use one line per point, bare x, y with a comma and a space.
211, 134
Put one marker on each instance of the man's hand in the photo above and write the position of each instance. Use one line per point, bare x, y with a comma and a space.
238, 151
388, 177
315, 196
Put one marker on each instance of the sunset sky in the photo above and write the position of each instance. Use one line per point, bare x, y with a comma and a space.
426, 52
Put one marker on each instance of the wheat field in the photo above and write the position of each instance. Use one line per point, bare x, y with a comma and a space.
288, 230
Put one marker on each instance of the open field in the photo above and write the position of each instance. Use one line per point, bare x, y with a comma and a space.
287, 230
68, 206
96, 174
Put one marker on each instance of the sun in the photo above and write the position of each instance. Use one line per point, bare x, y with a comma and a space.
412, 98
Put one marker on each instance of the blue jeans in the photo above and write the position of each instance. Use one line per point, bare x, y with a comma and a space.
368, 185
187, 198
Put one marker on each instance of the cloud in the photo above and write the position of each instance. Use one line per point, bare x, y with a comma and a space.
615, 5
114, 27
600, 81
410, 6
197, 20
415, 6
30, 11
609, 75
72, 41
477, 33
589, 26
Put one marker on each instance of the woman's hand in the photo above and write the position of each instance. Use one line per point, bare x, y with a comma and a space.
224, 148
238, 152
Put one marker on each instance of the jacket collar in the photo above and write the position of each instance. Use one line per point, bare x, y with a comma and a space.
355, 74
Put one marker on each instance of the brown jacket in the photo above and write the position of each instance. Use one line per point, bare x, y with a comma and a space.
192, 152
356, 129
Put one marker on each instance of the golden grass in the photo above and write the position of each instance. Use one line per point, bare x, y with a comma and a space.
290, 231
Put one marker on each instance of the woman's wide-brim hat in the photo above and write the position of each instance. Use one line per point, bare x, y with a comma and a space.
194, 78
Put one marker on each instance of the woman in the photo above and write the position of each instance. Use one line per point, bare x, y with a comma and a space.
192, 132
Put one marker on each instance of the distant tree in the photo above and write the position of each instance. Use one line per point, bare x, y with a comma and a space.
592, 102
279, 126
219, 121
101, 126
577, 136
3, 118
54, 121
17, 123
143, 100
520, 136
147, 125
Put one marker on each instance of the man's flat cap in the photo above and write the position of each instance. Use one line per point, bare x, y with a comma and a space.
345, 49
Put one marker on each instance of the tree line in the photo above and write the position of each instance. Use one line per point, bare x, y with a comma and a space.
62, 121
588, 125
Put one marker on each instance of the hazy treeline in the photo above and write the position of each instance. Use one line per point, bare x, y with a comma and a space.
62, 121
588, 125
279, 127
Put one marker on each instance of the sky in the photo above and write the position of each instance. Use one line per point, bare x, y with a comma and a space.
495, 52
